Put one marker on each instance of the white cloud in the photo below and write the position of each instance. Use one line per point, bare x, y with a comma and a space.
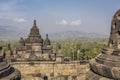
62, 22
75, 23
72, 23
9, 11
20, 20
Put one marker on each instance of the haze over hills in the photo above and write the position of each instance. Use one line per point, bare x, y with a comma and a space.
9, 33
14, 34
75, 35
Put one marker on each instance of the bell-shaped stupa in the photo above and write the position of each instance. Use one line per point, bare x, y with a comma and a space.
106, 66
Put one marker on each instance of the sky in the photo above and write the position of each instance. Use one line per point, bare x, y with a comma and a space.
91, 16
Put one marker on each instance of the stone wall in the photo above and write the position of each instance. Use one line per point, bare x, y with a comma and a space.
51, 69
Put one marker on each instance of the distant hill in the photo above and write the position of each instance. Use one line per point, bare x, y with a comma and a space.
75, 35
8, 33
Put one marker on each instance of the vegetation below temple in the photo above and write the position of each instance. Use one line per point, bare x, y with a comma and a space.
88, 47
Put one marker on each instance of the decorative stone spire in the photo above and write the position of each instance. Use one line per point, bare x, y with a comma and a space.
47, 40
34, 35
9, 46
46, 36
59, 52
22, 42
34, 28
59, 46
9, 49
34, 24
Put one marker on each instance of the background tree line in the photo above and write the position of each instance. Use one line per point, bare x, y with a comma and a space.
83, 49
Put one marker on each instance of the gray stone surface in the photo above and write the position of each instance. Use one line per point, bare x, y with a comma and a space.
106, 66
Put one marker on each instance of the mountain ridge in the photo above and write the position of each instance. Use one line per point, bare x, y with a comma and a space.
6, 33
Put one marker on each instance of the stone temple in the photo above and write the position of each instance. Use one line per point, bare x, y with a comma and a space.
106, 66
7, 72
34, 47
37, 60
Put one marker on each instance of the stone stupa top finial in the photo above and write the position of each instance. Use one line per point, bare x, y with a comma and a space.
34, 24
